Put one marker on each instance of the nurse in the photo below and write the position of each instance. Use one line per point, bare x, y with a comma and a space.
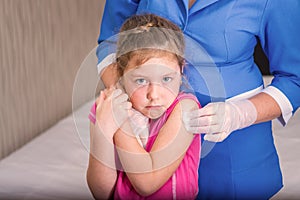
242, 161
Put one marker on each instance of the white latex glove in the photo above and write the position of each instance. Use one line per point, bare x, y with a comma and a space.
139, 124
218, 120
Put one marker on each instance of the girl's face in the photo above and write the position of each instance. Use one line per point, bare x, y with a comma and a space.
152, 86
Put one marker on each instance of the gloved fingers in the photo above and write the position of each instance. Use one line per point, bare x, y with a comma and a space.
216, 137
205, 111
138, 121
139, 126
121, 103
203, 121
204, 124
140, 131
116, 93
204, 129
118, 99
118, 104
217, 108
122, 106
121, 99
218, 120
126, 105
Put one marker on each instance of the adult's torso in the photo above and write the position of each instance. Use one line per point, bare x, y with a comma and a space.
226, 30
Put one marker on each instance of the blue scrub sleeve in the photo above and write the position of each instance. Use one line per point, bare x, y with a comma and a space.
114, 14
279, 36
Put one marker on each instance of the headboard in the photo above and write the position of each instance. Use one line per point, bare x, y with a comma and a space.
42, 44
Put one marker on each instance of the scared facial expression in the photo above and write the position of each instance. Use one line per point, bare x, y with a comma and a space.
152, 86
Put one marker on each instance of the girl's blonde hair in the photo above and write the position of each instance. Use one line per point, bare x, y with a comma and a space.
146, 36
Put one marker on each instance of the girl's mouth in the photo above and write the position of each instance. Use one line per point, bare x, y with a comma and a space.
153, 107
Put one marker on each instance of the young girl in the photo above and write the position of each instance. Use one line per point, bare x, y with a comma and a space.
163, 164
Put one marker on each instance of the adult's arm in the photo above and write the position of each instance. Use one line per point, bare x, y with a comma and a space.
114, 14
279, 36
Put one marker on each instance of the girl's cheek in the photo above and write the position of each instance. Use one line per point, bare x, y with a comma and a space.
130, 89
138, 94
138, 101
173, 88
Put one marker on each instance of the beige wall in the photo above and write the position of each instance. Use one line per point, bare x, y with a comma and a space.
42, 44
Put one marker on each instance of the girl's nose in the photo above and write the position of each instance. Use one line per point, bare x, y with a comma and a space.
153, 91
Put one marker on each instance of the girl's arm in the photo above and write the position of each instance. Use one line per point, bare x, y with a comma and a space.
148, 171
101, 173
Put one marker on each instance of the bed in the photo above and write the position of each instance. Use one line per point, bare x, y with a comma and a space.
53, 165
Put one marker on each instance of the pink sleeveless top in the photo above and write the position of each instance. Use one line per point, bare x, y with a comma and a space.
183, 184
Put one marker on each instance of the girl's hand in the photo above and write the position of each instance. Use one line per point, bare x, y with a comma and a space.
112, 110
218, 120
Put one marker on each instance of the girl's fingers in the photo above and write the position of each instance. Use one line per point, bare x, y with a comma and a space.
100, 99
108, 91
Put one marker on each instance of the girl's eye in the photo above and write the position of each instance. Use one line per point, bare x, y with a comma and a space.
141, 81
167, 79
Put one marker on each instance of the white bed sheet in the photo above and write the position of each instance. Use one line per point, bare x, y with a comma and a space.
53, 165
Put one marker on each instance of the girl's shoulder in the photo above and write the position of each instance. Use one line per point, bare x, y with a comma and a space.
186, 100
188, 96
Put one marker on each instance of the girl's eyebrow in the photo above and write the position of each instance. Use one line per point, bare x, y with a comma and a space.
171, 73
139, 74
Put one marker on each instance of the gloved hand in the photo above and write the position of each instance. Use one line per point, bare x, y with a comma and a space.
218, 120
140, 126
112, 110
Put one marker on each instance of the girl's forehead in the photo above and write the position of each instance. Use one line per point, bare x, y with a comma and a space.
162, 64
152, 70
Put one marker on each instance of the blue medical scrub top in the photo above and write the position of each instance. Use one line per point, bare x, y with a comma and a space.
245, 165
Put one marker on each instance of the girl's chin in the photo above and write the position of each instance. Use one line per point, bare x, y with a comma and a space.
151, 113
154, 114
